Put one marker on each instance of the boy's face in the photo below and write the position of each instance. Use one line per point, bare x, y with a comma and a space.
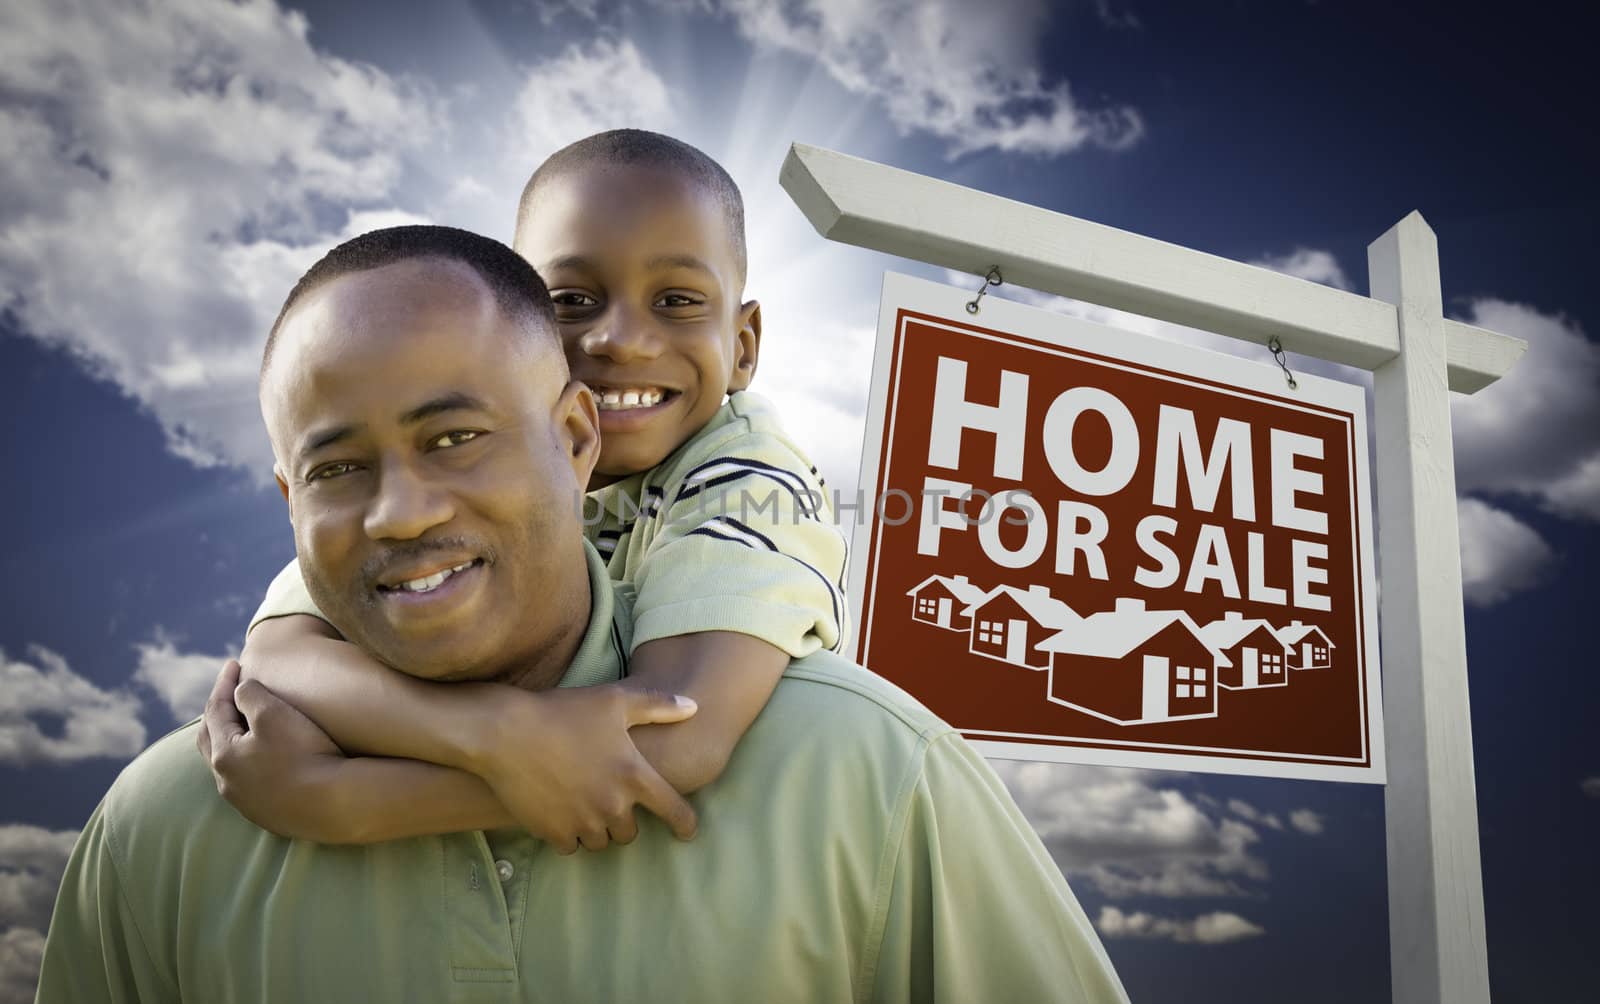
642, 269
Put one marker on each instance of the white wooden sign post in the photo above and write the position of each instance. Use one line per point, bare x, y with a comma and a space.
1436, 918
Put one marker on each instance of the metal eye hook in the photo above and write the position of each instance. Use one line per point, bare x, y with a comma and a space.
1276, 348
992, 279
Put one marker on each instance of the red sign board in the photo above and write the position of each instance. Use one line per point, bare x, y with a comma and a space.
1090, 545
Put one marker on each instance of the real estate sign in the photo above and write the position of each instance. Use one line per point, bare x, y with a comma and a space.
1084, 544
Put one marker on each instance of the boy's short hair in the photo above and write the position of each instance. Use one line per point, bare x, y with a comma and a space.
518, 290
642, 148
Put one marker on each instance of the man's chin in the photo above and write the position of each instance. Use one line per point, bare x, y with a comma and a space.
443, 656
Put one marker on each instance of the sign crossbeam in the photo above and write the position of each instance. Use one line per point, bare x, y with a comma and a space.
1436, 916
871, 205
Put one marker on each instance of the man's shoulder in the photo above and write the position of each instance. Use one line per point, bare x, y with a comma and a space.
165, 791
830, 696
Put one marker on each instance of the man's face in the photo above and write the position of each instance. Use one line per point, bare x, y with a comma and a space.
641, 265
431, 456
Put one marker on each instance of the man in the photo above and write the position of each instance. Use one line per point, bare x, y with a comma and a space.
855, 849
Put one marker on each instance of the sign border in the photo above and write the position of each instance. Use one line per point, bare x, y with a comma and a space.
907, 298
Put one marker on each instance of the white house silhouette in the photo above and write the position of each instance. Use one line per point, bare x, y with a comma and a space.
1309, 646
1132, 666
941, 600
1008, 624
1252, 645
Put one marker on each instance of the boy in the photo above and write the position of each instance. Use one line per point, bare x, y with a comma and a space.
705, 506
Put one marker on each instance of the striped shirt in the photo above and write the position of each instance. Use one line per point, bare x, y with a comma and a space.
732, 532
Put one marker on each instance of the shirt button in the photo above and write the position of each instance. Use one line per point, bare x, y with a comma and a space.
504, 869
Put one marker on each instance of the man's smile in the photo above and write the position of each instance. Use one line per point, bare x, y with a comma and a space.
426, 582
432, 594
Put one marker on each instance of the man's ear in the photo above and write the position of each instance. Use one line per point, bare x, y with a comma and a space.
577, 423
746, 347
283, 488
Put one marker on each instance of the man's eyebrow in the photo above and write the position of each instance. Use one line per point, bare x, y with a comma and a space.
688, 261
327, 437
454, 401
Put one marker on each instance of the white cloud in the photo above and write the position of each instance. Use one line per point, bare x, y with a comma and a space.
32, 861
970, 78
1244, 810
606, 85
1307, 822
1112, 17
49, 714
1128, 836
825, 368
1311, 264
21, 951
1216, 928
182, 679
1590, 786
170, 169
1536, 431
1500, 555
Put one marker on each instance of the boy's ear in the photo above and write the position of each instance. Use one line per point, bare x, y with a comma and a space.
746, 346
577, 423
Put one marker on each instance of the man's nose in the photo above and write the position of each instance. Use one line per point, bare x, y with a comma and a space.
407, 505
622, 335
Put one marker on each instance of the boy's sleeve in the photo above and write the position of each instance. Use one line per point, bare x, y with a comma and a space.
285, 596
974, 908
95, 949
746, 542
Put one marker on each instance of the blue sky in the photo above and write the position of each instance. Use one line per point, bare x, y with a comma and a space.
169, 173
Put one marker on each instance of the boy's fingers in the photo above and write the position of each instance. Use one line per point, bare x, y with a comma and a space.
202, 740
654, 707
256, 702
221, 718
623, 831
662, 799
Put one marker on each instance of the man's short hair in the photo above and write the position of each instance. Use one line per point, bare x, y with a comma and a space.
641, 148
518, 291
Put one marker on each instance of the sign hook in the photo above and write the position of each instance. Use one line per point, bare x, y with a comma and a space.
991, 279
1276, 348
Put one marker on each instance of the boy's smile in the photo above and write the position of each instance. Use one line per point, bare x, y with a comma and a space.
641, 265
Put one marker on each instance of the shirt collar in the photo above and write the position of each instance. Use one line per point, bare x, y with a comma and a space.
602, 655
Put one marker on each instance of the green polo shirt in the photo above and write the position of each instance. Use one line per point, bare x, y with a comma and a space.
855, 849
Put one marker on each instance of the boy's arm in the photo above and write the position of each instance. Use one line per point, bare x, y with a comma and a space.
286, 775
562, 762
730, 676
743, 571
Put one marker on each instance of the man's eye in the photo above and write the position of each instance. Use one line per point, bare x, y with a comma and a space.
455, 438
334, 470
677, 300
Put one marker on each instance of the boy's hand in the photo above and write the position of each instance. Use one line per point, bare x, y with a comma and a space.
271, 762
563, 764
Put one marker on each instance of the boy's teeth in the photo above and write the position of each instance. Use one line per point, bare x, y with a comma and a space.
431, 582
619, 400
